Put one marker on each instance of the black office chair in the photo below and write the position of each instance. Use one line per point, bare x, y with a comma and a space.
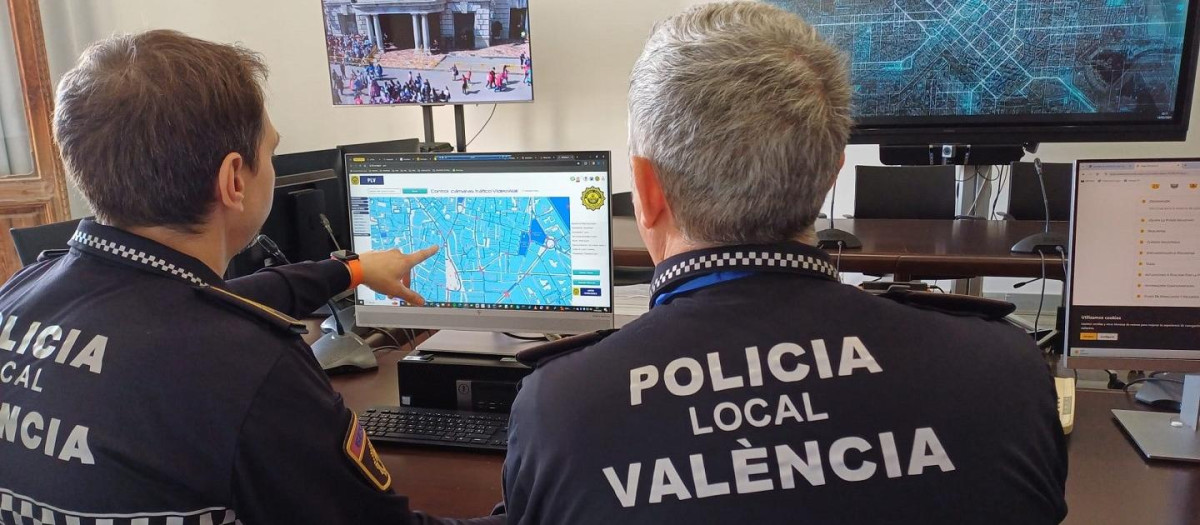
31, 242
887, 192
622, 206
1025, 192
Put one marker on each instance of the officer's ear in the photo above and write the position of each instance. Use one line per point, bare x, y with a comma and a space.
648, 199
231, 182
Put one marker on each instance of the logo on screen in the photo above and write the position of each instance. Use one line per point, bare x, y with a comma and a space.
593, 198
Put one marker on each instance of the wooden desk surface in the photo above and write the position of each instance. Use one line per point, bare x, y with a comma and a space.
1109, 482
912, 249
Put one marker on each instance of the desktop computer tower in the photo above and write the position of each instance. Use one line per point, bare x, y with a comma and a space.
482, 383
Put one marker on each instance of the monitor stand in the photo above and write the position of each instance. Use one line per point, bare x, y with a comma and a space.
488, 343
1166, 435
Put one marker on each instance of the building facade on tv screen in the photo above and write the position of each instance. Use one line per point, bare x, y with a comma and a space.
428, 51
1105, 60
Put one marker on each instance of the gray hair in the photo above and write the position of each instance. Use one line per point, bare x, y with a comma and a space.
744, 111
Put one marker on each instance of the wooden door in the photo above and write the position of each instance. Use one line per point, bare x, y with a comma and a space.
40, 196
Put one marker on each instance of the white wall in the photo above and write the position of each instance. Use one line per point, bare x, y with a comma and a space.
585, 50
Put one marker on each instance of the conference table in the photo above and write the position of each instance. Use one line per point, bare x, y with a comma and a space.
1109, 482
909, 249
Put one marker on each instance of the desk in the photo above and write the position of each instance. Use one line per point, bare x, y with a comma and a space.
1109, 481
441, 482
910, 249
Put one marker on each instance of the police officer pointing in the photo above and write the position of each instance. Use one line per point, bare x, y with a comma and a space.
148, 390
758, 389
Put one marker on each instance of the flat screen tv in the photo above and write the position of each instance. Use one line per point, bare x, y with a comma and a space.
401, 52
1011, 71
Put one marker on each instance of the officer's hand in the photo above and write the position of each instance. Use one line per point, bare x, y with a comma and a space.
390, 271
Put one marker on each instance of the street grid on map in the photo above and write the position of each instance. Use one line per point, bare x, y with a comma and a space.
1006, 57
494, 250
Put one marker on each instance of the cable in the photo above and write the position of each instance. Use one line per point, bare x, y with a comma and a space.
999, 190
387, 348
1114, 381
269, 245
1041, 300
975, 203
387, 334
1062, 254
832, 201
838, 268
971, 178
484, 126
527, 338
329, 230
1151, 379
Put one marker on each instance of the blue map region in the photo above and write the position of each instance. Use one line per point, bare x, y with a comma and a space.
494, 250
1006, 57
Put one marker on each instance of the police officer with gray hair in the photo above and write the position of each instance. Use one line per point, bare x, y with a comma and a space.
758, 389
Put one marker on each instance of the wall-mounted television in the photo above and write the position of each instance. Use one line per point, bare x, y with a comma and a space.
401, 52
1010, 71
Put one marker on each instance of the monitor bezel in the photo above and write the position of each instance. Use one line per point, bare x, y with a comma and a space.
1110, 363
1046, 129
490, 320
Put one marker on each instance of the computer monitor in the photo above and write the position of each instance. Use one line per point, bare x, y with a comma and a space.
1134, 286
1025, 202
387, 146
904, 192
307, 161
525, 238
405, 52
1008, 72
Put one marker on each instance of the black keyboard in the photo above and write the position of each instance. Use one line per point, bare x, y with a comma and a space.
435, 427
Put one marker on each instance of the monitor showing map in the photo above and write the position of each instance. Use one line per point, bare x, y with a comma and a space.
1043, 71
525, 238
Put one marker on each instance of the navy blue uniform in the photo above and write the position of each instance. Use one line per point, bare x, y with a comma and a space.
139, 388
760, 390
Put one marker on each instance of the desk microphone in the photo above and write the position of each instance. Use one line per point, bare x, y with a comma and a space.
329, 229
1042, 242
1037, 166
269, 245
1026, 283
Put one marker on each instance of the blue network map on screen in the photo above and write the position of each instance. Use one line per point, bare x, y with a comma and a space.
1006, 57
494, 250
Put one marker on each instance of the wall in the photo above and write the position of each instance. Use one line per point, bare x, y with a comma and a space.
584, 50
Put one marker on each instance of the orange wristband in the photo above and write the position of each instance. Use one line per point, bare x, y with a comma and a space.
356, 273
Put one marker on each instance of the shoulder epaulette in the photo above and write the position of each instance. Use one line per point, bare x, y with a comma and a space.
262, 312
542, 353
952, 304
47, 255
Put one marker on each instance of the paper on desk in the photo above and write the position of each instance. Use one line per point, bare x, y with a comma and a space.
630, 302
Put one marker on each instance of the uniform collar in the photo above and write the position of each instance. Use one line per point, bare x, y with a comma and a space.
139, 252
789, 257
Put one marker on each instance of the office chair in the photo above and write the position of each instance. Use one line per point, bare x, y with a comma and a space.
885, 192
31, 242
1025, 192
622, 206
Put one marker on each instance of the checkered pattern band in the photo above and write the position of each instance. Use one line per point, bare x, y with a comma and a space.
20, 510
744, 260
136, 256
